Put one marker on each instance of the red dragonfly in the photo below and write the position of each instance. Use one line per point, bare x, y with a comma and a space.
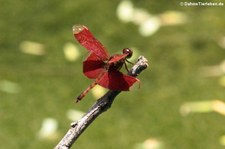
100, 66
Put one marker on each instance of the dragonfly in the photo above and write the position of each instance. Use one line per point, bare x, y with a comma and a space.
102, 67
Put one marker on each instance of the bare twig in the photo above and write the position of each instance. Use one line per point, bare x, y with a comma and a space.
103, 104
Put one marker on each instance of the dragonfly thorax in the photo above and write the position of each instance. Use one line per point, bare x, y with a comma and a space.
114, 64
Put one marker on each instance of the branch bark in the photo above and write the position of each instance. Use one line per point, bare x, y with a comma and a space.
102, 105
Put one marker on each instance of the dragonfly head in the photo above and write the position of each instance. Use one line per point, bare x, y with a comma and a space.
128, 51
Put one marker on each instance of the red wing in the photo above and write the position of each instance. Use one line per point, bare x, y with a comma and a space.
86, 39
93, 67
115, 80
116, 58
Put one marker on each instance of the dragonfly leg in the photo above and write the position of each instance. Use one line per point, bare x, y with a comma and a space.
129, 62
126, 64
126, 67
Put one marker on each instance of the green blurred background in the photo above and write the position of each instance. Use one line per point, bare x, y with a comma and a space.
36, 87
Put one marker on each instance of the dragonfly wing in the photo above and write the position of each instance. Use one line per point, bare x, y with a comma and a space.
116, 58
115, 80
86, 39
93, 67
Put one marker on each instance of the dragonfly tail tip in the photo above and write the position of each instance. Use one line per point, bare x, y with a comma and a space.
78, 28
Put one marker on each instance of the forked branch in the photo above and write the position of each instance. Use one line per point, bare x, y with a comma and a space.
102, 104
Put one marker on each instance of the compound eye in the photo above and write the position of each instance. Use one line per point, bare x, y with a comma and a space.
128, 51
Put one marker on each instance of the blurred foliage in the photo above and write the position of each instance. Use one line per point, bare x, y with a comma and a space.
36, 87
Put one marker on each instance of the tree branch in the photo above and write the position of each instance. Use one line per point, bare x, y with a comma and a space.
102, 105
